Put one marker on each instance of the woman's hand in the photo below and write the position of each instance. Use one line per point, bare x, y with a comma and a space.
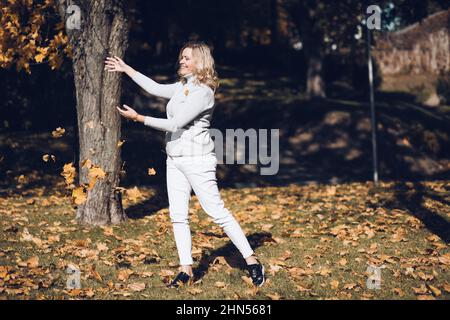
115, 64
129, 113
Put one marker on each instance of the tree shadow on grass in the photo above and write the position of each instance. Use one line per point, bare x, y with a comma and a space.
326, 141
412, 198
150, 206
231, 255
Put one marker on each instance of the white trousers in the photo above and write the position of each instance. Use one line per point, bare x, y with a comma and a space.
185, 173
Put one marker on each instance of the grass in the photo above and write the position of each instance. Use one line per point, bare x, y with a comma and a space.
315, 240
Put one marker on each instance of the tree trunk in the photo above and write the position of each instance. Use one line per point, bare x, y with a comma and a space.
274, 34
315, 85
103, 32
304, 16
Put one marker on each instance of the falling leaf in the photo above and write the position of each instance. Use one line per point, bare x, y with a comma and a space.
69, 173
39, 57
120, 143
58, 133
94, 174
86, 164
79, 196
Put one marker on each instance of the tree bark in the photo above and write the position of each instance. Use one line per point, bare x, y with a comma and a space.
103, 32
304, 15
274, 23
315, 85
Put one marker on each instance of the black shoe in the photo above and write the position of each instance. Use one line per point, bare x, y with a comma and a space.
257, 274
181, 279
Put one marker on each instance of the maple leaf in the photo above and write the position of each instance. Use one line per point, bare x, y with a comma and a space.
46, 157
102, 246
334, 284
247, 280
26, 236
124, 274
134, 194
95, 173
58, 133
445, 259
79, 196
120, 143
220, 284
33, 262
69, 173
274, 296
194, 291
436, 292
166, 273
136, 286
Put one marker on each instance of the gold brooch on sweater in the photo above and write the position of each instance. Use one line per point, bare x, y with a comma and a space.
186, 92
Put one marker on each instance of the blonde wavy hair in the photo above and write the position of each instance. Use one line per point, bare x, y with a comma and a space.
205, 67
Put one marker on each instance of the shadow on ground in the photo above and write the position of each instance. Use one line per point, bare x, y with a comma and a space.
327, 141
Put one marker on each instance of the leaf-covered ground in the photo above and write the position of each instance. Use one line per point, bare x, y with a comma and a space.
316, 241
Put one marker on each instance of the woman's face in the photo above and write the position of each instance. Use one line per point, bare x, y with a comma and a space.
187, 63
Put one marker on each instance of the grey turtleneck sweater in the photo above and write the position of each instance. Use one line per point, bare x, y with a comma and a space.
189, 112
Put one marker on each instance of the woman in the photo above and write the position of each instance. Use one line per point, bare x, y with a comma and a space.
191, 160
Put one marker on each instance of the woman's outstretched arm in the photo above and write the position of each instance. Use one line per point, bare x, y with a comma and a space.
197, 102
157, 89
151, 86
